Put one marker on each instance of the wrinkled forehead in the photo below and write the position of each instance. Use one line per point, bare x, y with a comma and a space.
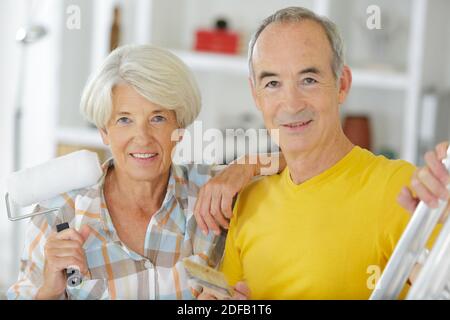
292, 45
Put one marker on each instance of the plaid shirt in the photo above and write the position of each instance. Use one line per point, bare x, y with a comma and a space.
115, 271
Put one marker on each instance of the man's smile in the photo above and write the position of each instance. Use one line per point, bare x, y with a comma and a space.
297, 126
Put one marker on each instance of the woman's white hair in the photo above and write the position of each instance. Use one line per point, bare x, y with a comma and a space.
155, 73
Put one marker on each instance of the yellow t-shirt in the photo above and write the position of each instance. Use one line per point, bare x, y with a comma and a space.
325, 238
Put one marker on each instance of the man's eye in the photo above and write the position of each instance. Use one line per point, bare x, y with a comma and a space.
158, 119
123, 120
272, 84
308, 81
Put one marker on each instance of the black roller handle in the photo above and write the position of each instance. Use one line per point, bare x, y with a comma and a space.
74, 277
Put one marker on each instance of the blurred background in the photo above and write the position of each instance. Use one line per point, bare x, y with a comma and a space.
399, 105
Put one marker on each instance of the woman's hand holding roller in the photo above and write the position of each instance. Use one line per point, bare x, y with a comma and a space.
62, 250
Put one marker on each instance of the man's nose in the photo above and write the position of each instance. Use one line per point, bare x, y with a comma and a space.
293, 99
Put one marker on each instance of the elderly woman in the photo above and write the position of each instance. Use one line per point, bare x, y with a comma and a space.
130, 232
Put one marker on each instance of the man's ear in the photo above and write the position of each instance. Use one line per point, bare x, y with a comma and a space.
345, 83
253, 90
104, 135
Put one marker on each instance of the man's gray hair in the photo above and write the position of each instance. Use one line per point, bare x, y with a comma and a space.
298, 14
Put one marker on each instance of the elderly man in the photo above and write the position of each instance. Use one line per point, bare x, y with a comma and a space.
313, 231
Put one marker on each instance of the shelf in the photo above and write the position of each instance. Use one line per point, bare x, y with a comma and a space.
222, 63
214, 62
88, 137
380, 79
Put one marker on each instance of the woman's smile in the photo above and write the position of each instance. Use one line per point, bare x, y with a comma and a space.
144, 157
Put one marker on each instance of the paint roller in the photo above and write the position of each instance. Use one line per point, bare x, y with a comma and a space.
45, 181
433, 279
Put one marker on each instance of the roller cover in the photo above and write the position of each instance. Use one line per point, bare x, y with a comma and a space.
45, 181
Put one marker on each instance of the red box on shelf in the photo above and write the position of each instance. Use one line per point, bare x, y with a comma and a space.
221, 41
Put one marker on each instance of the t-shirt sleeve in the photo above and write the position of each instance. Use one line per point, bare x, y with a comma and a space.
394, 218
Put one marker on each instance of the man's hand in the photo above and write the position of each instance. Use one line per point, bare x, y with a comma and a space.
429, 183
213, 207
241, 292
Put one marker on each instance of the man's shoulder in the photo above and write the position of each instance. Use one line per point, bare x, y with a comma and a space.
259, 186
384, 167
384, 179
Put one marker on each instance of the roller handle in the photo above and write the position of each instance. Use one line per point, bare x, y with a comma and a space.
73, 274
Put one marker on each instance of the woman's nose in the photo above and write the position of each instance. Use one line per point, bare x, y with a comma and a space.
143, 132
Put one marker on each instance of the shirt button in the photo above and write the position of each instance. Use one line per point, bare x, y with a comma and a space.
148, 264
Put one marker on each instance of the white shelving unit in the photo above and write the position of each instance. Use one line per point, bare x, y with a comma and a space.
142, 28
222, 63
214, 62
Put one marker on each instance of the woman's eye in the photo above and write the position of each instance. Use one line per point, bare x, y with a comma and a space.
158, 119
272, 84
308, 81
123, 120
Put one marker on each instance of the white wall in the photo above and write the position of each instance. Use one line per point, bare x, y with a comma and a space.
39, 101
11, 16
75, 65
446, 39
437, 39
